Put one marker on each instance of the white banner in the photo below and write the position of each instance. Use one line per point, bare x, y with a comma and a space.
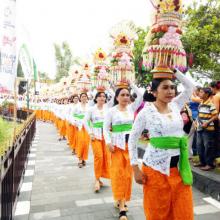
26, 62
8, 69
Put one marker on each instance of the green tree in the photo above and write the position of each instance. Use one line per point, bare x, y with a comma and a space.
64, 60
143, 77
202, 38
44, 77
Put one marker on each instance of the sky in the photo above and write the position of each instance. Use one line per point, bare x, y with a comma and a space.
84, 24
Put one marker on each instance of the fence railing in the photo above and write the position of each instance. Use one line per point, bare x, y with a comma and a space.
12, 167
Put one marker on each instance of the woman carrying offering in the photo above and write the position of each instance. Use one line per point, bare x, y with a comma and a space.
167, 186
117, 126
82, 137
101, 154
72, 127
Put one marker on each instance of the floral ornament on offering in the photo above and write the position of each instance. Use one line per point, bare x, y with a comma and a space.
99, 56
125, 62
163, 47
122, 67
122, 40
84, 82
101, 70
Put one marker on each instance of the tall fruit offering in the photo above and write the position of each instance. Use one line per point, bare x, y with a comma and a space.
163, 50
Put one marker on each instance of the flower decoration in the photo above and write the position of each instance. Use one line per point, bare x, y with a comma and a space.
163, 49
101, 70
99, 56
84, 82
122, 40
167, 6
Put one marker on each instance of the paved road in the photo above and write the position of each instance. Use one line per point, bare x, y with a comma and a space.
55, 188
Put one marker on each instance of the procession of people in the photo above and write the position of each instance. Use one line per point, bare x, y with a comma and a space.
104, 109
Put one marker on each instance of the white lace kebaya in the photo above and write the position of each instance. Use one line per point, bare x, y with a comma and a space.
160, 125
95, 115
79, 113
117, 117
71, 113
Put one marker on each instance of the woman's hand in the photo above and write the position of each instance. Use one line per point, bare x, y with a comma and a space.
139, 177
111, 148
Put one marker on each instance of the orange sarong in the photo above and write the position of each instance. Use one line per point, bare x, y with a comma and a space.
67, 131
45, 115
62, 128
101, 159
82, 144
121, 174
73, 136
56, 122
166, 197
39, 114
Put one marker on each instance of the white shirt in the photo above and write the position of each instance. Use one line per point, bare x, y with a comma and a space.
80, 110
71, 112
160, 125
117, 117
95, 115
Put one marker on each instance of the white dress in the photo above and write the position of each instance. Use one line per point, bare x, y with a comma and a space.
79, 110
70, 113
160, 125
117, 117
96, 115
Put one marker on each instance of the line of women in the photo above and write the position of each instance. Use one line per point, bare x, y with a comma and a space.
165, 175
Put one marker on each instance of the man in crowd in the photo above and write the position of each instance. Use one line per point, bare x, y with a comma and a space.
207, 114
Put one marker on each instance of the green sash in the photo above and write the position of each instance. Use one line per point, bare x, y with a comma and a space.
97, 125
175, 143
121, 128
78, 116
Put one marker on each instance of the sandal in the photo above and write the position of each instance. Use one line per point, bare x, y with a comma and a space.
84, 163
198, 165
116, 205
122, 215
80, 165
73, 152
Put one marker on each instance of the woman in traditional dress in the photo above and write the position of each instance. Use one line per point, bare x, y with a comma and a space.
72, 128
101, 154
82, 136
167, 188
117, 126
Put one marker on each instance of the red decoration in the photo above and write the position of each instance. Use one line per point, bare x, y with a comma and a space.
123, 40
164, 28
101, 56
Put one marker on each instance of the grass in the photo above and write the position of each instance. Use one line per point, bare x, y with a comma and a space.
6, 135
7, 132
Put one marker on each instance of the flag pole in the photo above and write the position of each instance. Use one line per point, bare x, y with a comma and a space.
15, 108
